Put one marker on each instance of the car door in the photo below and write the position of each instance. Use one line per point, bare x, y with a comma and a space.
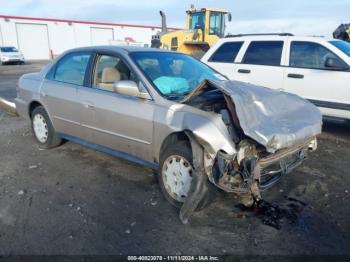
309, 76
120, 122
261, 64
59, 92
222, 59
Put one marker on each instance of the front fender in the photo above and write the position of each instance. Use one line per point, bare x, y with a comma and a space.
208, 128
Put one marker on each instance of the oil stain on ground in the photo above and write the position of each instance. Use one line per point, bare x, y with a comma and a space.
274, 215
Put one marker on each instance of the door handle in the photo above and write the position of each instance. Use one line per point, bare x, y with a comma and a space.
244, 71
44, 94
296, 76
89, 105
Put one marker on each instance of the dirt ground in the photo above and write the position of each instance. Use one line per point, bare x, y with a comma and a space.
73, 200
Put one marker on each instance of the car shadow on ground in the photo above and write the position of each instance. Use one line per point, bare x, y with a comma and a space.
337, 129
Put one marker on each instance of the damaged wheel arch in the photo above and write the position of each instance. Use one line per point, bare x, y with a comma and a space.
183, 148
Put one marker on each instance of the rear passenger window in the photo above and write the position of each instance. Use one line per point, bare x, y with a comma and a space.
226, 53
71, 68
264, 53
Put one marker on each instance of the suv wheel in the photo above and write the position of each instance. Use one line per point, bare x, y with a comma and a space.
43, 130
175, 175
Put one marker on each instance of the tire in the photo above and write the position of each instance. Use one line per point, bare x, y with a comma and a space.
178, 151
43, 130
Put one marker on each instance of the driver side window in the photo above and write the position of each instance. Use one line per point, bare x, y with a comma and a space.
309, 55
108, 70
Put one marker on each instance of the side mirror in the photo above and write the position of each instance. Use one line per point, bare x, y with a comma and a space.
336, 64
129, 88
229, 17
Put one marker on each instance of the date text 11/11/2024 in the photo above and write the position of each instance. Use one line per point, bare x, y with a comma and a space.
173, 258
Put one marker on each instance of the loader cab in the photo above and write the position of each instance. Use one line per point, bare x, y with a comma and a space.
211, 22
204, 26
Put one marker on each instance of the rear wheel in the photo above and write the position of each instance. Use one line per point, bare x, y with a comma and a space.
43, 130
175, 175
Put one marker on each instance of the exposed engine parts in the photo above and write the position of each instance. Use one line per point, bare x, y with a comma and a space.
254, 164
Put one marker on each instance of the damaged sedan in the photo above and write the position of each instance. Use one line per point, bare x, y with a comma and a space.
172, 113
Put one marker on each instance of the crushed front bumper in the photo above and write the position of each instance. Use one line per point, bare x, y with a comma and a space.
260, 171
274, 166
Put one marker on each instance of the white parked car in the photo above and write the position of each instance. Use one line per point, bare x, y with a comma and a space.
312, 67
10, 54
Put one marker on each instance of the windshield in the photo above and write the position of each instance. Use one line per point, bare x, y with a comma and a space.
197, 21
174, 75
342, 45
8, 49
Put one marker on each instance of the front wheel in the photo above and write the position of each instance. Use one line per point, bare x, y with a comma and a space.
43, 130
175, 175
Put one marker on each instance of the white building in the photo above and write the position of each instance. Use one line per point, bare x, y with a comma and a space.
42, 38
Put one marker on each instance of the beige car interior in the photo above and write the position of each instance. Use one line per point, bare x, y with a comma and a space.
109, 76
110, 69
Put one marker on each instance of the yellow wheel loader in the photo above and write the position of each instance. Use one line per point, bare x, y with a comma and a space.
203, 28
342, 32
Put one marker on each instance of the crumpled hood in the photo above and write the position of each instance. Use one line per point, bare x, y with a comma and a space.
273, 118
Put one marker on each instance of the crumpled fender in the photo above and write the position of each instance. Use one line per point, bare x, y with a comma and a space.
210, 132
207, 128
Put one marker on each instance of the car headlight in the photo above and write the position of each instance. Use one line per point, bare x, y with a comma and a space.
313, 144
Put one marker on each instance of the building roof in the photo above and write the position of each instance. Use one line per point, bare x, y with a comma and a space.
81, 22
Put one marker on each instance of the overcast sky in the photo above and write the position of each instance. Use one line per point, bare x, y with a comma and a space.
306, 17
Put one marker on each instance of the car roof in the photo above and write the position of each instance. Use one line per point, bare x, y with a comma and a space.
115, 48
281, 36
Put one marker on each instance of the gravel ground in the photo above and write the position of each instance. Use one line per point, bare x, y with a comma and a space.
73, 200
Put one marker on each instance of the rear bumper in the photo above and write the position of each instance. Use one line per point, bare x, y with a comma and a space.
21, 108
8, 106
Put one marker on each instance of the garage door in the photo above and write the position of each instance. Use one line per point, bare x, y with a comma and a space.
33, 41
1, 40
101, 36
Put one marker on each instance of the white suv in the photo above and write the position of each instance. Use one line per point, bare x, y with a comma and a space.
9, 54
311, 67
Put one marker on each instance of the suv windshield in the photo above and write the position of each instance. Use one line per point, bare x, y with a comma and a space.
8, 49
342, 45
174, 75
